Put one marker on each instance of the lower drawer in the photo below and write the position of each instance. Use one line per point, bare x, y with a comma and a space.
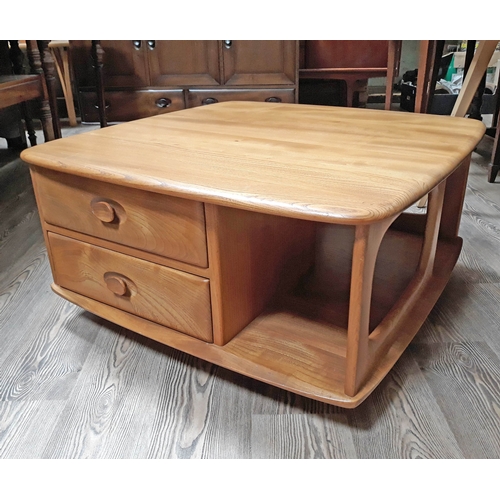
169, 297
125, 105
199, 97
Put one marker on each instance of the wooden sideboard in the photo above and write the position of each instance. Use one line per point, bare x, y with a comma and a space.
150, 77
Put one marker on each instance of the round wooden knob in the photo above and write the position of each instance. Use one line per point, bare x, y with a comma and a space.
103, 211
116, 285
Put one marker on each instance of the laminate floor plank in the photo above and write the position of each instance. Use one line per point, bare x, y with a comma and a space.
464, 313
402, 419
295, 436
115, 393
184, 407
47, 362
465, 380
25, 427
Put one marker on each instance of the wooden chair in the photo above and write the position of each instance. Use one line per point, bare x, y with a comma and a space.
351, 61
475, 72
59, 50
38, 86
473, 79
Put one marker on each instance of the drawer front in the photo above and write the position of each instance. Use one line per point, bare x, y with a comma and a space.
125, 105
172, 298
164, 225
199, 97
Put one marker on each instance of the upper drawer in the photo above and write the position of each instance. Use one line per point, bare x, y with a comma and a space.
159, 224
198, 97
166, 296
127, 105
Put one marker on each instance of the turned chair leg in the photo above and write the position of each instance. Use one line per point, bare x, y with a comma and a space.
29, 123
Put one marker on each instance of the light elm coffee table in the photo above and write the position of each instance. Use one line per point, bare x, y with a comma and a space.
270, 239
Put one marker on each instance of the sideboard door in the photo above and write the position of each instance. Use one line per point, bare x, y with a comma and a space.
183, 62
124, 63
259, 62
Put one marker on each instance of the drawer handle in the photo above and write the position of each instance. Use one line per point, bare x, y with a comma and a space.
273, 99
137, 44
151, 44
228, 43
106, 105
209, 100
163, 102
103, 211
116, 285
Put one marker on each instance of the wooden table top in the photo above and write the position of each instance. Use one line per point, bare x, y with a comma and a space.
331, 164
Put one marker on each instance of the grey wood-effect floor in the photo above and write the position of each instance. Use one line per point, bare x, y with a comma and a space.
75, 386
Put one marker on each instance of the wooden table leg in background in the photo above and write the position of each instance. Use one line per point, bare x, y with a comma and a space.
98, 60
494, 166
59, 50
393, 59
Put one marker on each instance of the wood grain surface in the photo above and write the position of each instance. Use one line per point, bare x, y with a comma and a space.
166, 296
162, 225
320, 163
74, 385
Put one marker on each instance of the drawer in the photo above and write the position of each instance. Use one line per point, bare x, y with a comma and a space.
198, 97
172, 298
125, 105
164, 225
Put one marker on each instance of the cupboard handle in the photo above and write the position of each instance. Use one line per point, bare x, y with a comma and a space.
163, 102
106, 105
151, 44
103, 211
116, 285
137, 44
209, 100
228, 43
273, 99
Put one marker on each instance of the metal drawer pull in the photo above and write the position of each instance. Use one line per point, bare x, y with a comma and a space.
209, 100
151, 44
273, 99
106, 105
137, 44
228, 43
163, 102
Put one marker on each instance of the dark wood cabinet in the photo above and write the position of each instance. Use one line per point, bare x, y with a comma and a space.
147, 77
184, 62
259, 62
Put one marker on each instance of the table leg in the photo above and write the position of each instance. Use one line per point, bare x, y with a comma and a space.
366, 245
393, 59
61, 60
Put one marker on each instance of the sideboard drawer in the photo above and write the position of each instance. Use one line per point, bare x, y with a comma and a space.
159, 224
127, 105
200, 97
172, 298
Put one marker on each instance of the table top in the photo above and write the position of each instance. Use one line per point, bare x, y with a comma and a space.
330, 164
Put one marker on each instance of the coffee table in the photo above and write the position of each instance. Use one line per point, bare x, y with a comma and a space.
271, 239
